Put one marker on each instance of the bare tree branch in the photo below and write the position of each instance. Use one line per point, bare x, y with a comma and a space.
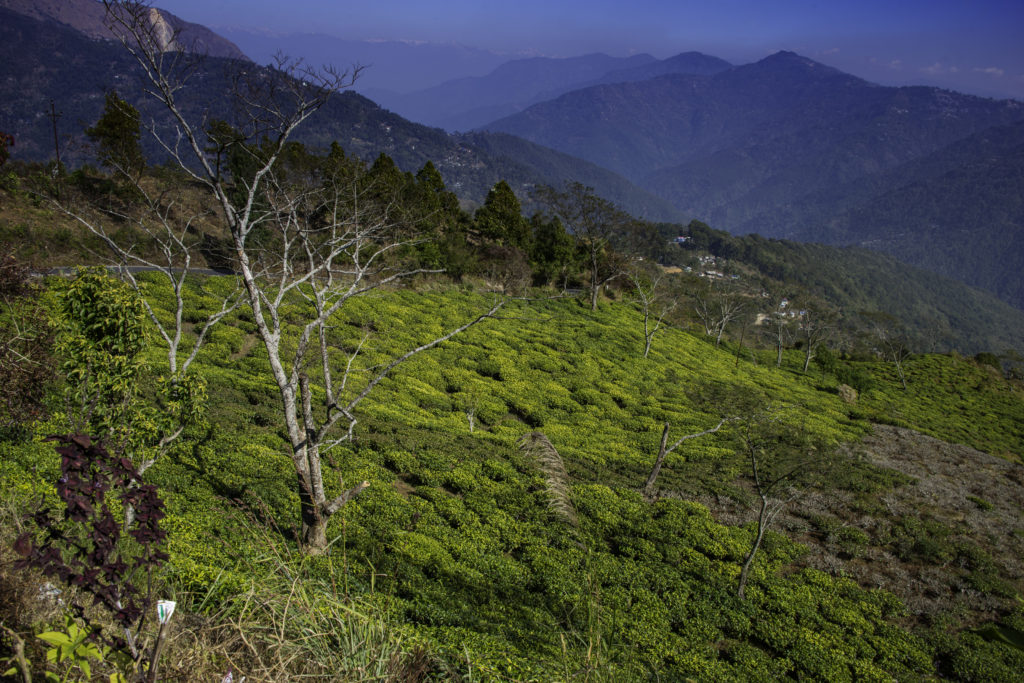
664, 451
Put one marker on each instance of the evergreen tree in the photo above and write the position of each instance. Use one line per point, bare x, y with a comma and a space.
435, 196
116, 135
444, 222
501, 218
552, 250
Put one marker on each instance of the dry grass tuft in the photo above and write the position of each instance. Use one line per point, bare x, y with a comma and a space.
291, 623
537, 446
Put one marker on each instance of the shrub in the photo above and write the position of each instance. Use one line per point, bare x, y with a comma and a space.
856, 377
85, 549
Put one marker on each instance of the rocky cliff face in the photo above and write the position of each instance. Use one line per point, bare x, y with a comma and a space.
162, 30
88, 17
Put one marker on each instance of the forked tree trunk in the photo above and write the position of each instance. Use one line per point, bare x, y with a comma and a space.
762, 525
313, 534
665, 449
649, 486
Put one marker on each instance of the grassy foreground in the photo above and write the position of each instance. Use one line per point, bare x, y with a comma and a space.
453, 564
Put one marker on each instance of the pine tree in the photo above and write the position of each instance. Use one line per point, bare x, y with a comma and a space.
116, 135
501, 218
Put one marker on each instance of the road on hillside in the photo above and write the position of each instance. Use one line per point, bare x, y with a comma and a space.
70, 270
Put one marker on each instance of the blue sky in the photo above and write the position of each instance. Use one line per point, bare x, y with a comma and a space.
971, 45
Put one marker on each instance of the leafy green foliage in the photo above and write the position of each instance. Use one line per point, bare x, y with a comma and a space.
501, 218
552, 251
101, 339
950, 398
457, 532
458, 522
71, 650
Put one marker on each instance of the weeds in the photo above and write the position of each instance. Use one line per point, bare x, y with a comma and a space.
290, 621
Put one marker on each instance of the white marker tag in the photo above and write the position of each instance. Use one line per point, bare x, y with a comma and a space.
164, 610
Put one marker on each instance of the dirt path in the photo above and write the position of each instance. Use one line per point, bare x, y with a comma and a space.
247, 346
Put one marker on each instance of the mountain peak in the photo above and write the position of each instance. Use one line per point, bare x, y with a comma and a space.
695, 62
794, 68
792, 60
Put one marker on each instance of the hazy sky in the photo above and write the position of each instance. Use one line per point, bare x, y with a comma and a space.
971, 45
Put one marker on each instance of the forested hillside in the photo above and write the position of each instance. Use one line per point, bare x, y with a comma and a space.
787, 147
941, 313
46, 61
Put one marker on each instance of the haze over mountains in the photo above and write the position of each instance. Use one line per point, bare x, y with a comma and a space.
44, 60
391, 66
784, 147
467, 103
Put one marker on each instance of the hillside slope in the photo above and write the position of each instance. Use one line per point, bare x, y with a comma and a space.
456, 538
88, 17
468, 103
464, 103
942, 313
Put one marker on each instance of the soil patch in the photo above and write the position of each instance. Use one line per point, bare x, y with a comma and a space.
950, 539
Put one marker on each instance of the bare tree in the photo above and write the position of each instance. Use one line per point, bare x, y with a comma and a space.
779, 324
593, 221
783, 464
816, 325
654, 300
304, 238
892, 341
718, 305
171, 242
664, 449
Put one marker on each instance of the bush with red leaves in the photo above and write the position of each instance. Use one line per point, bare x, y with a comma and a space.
85, 549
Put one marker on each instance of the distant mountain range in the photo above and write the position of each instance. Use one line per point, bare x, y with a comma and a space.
784, 147
43, 60
391, 67
788, 147
467, 103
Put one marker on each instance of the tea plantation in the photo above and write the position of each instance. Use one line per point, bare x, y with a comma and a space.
457, 545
